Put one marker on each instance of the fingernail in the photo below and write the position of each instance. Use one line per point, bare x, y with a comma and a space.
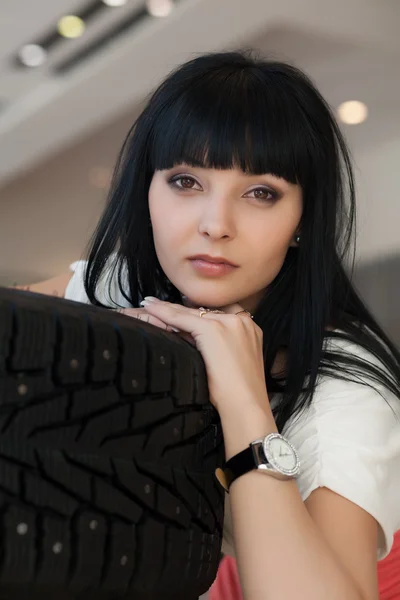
144, 303
174, 329
151, 299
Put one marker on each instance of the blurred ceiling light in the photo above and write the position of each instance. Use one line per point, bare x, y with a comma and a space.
100, 177
115, 2
32, 55
159, 8
71, 26
353, 112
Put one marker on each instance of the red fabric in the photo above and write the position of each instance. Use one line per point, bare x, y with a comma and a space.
227, 586
389, 573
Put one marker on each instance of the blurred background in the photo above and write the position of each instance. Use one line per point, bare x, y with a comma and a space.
75, 73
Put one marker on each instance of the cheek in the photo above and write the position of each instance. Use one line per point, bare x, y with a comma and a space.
167, 230
157, 207
166, 238
270, 242
163, 206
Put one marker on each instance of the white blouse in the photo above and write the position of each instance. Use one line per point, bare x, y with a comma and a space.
348, 441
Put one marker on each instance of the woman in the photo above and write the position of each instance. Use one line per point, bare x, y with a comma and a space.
233, 198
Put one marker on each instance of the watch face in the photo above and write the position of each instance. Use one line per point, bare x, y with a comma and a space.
281, 454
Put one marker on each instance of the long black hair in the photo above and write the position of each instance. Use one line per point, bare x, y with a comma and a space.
229, 110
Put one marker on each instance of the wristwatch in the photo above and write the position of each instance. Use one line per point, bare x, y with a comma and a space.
273, 455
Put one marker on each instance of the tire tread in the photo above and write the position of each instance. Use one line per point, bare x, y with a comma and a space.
108, 448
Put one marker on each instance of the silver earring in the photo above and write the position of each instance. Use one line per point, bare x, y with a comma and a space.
297, 239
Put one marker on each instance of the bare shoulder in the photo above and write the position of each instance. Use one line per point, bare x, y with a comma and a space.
55, 286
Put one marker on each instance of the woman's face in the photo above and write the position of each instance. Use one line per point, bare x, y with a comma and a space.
246, 220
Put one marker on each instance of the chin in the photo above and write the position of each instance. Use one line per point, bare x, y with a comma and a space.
209, 300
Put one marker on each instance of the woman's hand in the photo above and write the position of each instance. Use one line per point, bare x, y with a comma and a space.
231, 346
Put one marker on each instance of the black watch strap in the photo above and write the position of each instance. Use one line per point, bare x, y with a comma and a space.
238, 465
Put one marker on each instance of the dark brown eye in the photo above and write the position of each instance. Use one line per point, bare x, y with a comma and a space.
187, 182
262, 194
184, 182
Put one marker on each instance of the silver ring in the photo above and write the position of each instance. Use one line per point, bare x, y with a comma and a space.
202, 311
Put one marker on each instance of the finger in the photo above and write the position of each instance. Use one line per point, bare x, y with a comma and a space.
177, 316
233, 309
142, 315
149, 300
184, 309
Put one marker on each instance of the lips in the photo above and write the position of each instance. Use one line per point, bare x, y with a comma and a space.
217, 260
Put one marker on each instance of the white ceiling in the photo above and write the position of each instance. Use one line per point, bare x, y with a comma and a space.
42, 113
54, 129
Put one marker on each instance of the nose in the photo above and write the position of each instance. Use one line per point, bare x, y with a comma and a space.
217, 219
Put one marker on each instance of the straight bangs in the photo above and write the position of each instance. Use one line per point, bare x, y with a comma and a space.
233, 122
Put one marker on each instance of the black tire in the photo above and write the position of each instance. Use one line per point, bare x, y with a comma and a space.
108, 448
